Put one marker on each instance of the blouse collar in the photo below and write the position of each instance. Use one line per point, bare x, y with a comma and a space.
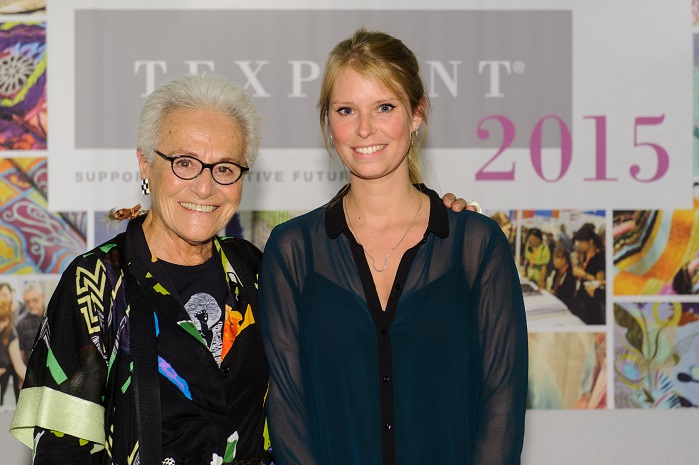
335, 222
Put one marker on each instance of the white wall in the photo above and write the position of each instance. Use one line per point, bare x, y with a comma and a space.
12, 452
611, 437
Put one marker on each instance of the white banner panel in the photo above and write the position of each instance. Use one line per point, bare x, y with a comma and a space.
537, 104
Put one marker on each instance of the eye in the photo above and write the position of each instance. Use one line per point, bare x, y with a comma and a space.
224, 169
183, 162
344, 111
386, 107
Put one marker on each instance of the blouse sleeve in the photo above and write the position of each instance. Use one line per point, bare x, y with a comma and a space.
66, 371
279, 293
503, 336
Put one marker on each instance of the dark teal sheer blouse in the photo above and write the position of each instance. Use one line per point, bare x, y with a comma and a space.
439, 377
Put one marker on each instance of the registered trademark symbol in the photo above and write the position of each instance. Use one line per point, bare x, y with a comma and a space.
518, 67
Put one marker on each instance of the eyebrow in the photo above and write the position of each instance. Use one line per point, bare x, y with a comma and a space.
376, 102
186, 153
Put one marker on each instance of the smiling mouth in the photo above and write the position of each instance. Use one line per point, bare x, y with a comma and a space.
369, 150
198, 208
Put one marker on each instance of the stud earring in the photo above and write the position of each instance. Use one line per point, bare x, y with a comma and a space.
145, 187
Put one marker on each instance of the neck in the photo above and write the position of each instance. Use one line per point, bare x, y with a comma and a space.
171, 248
383, 200
379, 224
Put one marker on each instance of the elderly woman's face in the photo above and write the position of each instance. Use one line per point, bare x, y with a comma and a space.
194, 210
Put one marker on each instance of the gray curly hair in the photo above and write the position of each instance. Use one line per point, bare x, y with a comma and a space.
207, 91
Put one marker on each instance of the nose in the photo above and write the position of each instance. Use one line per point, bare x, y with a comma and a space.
204, 184
365, 126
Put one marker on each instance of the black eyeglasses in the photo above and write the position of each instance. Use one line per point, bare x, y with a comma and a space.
223, 172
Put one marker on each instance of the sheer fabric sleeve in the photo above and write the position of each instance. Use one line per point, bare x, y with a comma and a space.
280, 293
66, 371
503, 336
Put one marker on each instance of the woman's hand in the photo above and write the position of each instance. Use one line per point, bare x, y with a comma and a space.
460, 204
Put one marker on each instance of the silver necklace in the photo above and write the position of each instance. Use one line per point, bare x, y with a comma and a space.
385, 259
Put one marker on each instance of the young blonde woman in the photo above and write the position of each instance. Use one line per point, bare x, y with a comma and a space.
394, 328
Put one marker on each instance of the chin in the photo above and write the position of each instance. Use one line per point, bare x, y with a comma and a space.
195, 235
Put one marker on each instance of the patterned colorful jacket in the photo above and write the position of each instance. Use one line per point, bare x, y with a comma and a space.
79, 376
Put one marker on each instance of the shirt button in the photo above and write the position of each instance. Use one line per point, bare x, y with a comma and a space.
388, 426
399, 287
226, 369
386, 379
383, 330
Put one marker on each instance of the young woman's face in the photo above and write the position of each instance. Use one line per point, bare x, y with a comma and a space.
371, 128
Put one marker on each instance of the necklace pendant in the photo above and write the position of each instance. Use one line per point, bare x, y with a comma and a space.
385, 258
373, 263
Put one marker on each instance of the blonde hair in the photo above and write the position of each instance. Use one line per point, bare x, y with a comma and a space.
383, 57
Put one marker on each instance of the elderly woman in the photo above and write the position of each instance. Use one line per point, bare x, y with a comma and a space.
153, 334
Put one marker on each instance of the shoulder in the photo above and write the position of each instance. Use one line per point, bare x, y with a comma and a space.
239, 244
457, 221
478, 235
241, 249
95, 271
106, 254
294, 241
473, 224
297, 227
23, 321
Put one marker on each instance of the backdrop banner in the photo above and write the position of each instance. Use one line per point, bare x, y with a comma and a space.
536, 104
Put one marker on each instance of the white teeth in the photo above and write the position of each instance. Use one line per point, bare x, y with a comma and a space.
197, 207
369, 150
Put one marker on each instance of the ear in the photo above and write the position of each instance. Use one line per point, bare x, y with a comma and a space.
142, 163
418, 115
